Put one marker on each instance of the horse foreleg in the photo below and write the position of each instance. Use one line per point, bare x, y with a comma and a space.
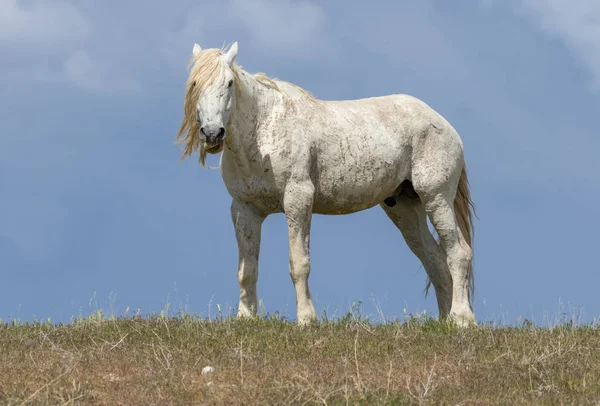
247, 222
298, 202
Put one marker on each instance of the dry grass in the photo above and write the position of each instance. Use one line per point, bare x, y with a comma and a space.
270, 361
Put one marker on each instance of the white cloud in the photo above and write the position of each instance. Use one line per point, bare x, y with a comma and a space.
178, 43
286, 28
43, 23
80, 70
75, 68
284, 25
411, 34
46, 41
577, 23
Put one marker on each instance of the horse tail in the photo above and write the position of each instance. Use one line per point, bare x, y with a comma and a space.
464, 210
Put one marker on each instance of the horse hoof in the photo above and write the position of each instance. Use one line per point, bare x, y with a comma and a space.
464, 320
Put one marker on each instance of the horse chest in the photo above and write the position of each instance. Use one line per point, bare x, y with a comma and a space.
254, 184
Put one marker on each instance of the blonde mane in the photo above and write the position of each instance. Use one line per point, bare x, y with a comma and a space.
266, 81
205, 68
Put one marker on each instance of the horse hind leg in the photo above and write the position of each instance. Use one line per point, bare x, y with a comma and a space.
438, 199
408, 214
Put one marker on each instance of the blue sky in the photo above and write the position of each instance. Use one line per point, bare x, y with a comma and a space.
95, 204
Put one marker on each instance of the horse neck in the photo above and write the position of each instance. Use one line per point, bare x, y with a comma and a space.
254, 103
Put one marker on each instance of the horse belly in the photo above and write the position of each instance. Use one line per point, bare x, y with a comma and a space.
347, 186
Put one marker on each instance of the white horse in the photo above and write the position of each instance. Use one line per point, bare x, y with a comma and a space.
286, 151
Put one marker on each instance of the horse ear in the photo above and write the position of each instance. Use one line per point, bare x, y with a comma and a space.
196, 49
229, 57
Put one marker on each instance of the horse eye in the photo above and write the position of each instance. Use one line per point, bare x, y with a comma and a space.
230, 83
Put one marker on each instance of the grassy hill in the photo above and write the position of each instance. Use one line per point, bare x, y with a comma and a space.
272, 361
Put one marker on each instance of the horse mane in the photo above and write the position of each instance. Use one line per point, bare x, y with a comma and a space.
205, 68
266, 81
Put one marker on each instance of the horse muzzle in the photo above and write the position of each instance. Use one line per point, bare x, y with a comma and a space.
213, 138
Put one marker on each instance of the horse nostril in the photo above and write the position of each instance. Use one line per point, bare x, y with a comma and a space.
221, 132
202, 130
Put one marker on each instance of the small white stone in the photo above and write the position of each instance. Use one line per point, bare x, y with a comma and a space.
208, 370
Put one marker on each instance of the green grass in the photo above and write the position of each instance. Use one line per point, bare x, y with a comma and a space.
159, 360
